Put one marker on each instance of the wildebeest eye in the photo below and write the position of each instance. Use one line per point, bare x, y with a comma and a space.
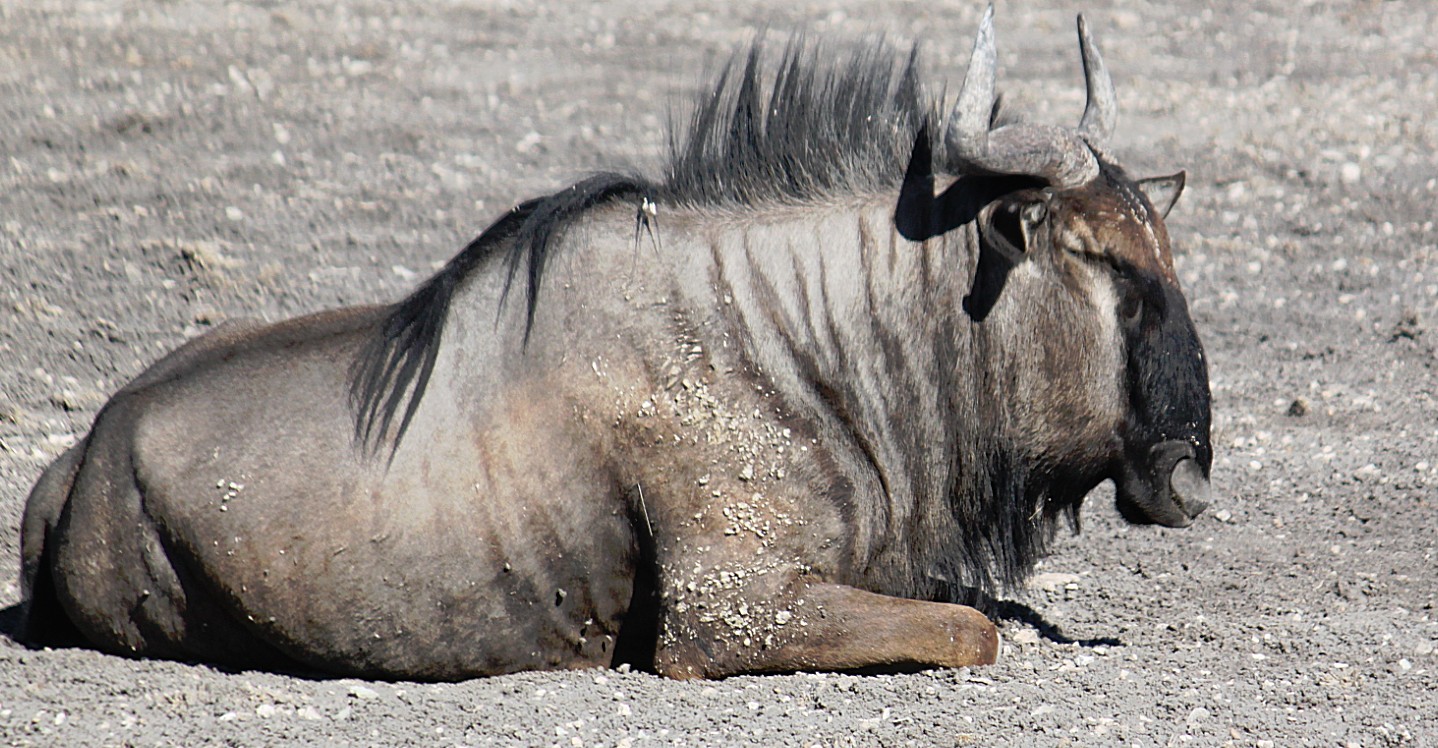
1011, 225
1140, 295
1130, 304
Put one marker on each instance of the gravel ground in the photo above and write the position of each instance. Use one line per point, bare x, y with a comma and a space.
169, 164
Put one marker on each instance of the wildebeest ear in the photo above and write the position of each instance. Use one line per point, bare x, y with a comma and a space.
1010, 227
1006, 230
1163, 192
1031, 219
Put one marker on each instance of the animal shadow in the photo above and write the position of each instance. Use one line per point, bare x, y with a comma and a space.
1012, 610
10, 622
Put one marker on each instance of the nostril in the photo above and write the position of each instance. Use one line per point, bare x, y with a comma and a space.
1190, 490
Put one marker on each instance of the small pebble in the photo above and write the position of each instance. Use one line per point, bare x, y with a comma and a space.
363, 692
1027, 636
1367, 472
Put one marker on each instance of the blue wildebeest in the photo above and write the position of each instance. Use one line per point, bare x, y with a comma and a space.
850, 356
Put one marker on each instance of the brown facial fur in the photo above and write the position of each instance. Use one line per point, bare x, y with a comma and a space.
1111, 217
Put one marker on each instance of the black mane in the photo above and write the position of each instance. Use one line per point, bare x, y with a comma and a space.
820, 124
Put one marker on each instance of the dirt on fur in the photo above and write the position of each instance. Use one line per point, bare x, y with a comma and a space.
166, 165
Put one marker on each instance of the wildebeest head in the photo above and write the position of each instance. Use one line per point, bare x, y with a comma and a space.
1107, 241
1116, 386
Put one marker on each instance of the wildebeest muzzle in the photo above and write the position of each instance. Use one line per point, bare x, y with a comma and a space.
1168, 486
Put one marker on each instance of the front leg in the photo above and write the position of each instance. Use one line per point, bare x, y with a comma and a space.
750, 542
818, 626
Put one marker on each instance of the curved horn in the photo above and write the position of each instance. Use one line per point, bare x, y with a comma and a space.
1100, 112
968, 131
1056, 155
1051, 153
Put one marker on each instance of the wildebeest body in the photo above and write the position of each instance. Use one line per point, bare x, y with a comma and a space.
733, 437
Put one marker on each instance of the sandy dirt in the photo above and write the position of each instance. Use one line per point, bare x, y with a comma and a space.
168, 165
